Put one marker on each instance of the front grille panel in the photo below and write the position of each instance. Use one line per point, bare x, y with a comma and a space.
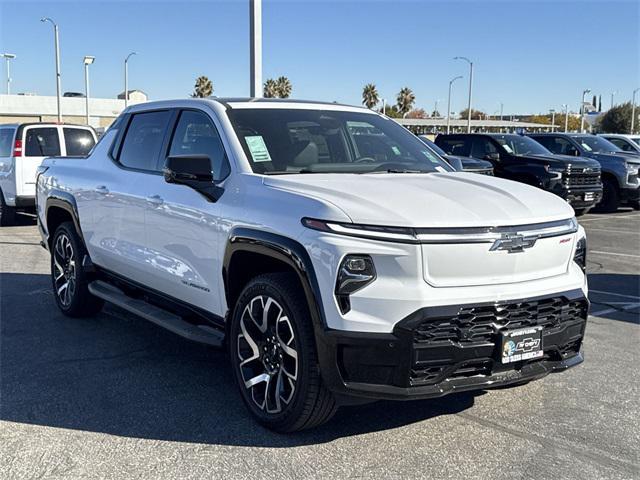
478, 327
590, 179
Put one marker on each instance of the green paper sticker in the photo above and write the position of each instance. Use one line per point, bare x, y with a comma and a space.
258, 148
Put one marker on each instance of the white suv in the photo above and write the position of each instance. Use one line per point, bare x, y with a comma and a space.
335, 256
22, 149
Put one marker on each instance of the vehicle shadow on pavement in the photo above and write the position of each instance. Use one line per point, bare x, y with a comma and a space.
121, 375
615, 294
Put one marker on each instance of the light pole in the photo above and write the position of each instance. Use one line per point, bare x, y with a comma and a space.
126, 79
584, 94
435, 107
501, 110
384, 106
553, 118
255, 48
449, 103
633, 109
470, 90
566, 117
88, 60
8, 57
612, 94
57, 44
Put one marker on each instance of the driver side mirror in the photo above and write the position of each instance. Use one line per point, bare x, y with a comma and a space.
193, 171
456, 163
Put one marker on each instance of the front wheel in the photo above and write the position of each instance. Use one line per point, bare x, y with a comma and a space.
7, 213
610, 196
274, 358
70, 283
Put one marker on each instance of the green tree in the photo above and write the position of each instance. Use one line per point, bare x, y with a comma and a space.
594, 103
405, 101
573, 124
284, 87
475, 114
270, 89
370, 97
391, 111
617, 119
203, 87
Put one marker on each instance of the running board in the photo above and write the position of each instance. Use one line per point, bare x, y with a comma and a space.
157, 315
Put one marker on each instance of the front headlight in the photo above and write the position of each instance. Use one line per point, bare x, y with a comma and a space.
632, 169
580, 256
555, 172
354, 273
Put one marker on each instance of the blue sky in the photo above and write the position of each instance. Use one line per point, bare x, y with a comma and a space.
531, 56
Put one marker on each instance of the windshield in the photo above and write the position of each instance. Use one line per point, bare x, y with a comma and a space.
519, 145
287, 141
591, 143
433, 146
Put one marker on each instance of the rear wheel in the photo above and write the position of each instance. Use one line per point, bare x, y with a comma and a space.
274, 358
610, 196
7, 213
70, 282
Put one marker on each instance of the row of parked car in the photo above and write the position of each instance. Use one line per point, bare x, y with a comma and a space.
586, 170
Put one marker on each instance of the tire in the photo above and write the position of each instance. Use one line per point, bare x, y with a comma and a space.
610, 197
70, 282
635, 205
280, 352
7, 213
581, 211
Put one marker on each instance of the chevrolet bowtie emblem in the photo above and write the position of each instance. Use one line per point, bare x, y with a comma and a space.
513, 243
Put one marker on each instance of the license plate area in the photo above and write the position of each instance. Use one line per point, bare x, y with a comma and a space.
521, 344
589, 196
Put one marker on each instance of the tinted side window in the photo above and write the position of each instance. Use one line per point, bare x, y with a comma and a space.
6, 140
455, 146
42, 142
618, 142
143, 140
78, 141
482, 147
558, 145
195, 134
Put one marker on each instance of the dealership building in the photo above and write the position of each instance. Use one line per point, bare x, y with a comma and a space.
38, 108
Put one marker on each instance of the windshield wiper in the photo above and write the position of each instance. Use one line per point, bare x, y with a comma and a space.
397, 170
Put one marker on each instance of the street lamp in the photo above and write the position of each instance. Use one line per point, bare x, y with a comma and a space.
57, 45
565, 107
126, 79
553, 118
8, 57
449, 103
470, 90
633, 109
88, 60
612, 94
384, 106
584, 94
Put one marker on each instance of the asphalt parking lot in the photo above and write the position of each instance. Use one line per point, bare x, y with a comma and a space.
117, 397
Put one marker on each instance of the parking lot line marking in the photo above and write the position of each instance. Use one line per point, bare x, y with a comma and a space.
608, 218
614, 294
614, 253
611, 230
607, 311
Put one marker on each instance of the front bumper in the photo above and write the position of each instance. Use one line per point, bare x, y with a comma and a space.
576, 196
630, 194
440, 350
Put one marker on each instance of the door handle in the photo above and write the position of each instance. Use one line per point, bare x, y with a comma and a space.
155, 200
101, 189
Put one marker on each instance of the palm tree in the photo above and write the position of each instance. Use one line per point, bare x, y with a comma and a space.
270, 89
203, 87
284, 87
370, 96
405, 100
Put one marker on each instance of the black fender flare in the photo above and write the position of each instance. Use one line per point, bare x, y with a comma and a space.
64, 201
284, 249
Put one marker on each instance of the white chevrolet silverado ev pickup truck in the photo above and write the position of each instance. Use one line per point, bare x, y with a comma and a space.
337, 258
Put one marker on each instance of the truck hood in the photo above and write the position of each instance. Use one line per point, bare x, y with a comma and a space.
428, 200
470, 163
563, 161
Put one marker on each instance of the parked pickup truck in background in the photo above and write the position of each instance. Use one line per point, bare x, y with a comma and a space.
336, 258
22, 149
466, 164
629, 144
619, 171
577, 180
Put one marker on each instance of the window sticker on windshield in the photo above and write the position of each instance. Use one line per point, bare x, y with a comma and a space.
395, 149
258, 148
586, 147
507, 148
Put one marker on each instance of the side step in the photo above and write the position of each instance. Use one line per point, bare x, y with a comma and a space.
168, 320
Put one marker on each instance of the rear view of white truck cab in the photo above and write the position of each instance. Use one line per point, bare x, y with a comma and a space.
337, 258
22, 149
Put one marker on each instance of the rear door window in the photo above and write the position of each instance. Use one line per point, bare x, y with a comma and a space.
78, 141
143, 140
6, 141
42, 142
